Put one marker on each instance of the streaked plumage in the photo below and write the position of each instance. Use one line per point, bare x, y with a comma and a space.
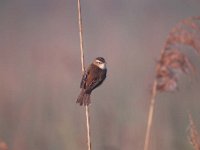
92, 78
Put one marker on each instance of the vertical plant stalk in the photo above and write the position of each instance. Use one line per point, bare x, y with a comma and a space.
81, 36
88, 127
173, 62
83, 70
150, 115
193, 135
154, 91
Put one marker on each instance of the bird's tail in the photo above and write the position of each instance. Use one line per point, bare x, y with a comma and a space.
83, 98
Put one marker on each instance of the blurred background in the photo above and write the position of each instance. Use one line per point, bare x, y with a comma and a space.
40, 72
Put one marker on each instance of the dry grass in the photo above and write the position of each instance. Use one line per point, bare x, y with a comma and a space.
193, 135
173, 62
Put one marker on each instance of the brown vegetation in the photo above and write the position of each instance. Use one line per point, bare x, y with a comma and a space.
174, 62
193, 135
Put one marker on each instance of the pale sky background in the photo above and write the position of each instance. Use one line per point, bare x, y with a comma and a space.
40, 73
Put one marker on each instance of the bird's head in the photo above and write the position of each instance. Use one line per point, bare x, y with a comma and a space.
100, 62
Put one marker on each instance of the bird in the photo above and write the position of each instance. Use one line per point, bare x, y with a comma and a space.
91, 79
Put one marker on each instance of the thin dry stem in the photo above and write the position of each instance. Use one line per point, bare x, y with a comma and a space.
193, 135
150, 115
81, 37
88, 127
83, 70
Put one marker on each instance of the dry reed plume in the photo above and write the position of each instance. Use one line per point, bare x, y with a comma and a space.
193, 135
173, 62
83, 70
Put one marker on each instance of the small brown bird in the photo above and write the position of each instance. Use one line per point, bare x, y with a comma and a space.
92, 78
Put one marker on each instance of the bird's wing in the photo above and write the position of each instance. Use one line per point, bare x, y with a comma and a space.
83, 81
94, 81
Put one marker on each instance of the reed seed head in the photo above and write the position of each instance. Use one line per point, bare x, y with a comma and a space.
173, 61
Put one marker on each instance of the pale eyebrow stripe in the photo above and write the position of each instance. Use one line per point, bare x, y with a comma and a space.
98, 61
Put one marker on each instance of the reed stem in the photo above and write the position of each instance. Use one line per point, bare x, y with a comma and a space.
83, 70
